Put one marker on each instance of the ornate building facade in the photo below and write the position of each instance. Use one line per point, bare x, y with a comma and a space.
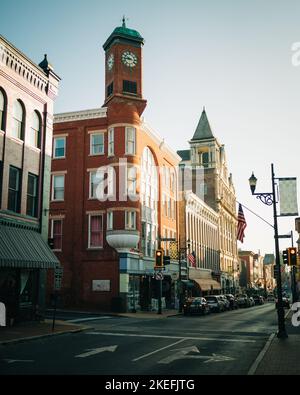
27, 93
114, 192
212, 182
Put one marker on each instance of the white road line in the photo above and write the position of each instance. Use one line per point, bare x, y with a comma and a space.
88, 319
160, 349
173, 337
260, 356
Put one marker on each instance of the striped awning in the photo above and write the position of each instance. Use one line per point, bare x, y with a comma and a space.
207, 284
23, 248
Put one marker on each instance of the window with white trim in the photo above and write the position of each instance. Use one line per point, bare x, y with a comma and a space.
56, 234
59, 147
95, 239
97, 144
58, 187
131, 180
130, 220
110, 220
36, 130
18, 124
96, 179
130, 134
111, 149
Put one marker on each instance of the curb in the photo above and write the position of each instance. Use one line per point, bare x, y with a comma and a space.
25, 339
260, 356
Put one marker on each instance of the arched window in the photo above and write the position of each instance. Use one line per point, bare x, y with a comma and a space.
35, 131
2, 110
18, 120
149, 198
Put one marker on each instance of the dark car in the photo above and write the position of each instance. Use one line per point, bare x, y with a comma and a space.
196, 305
285, 302
232, 301
215, 303
243, 300
259, 300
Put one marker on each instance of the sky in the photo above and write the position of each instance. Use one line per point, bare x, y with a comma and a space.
235, 57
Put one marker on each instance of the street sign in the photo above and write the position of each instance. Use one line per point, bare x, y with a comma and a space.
159, 276
58, 273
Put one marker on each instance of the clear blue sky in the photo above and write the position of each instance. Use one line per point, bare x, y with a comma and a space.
232, 56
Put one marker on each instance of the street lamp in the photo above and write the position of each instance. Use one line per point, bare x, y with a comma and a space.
269, 198
182, 250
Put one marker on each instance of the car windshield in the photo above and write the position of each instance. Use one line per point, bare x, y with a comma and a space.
211, 299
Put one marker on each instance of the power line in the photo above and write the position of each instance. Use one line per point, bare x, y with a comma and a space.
256, 215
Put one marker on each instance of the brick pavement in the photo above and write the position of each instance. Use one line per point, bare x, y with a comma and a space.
283, 355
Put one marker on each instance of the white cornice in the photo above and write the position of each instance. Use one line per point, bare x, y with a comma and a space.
81, 115
163, 146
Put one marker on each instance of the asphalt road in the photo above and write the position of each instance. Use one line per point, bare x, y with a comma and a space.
222, 344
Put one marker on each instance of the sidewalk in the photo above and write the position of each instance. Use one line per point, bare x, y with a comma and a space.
34, 330
282, 356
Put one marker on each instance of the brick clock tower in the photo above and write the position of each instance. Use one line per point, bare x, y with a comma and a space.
123, 75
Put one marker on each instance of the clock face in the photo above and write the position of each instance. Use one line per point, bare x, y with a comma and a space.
129, 59
110, 61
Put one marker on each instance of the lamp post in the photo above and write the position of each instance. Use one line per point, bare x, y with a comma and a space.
182, 250
269, 198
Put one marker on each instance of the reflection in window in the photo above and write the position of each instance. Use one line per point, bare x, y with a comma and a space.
149, 197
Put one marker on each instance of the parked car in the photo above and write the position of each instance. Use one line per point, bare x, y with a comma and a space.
285, 302
270, 298
232, 301
258, 299
251, 302
215, 303
196, 305
225, 301
243, 300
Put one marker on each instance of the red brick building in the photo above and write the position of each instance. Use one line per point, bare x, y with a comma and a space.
114, 192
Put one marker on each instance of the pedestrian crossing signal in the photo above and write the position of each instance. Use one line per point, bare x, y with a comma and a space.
159, 258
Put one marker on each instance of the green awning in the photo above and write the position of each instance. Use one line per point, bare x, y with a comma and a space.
22, 248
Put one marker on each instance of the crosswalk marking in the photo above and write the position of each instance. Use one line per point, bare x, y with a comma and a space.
89, 319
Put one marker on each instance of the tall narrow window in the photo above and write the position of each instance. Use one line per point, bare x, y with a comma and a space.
130, 220
57, 234
35, 131
1, 182
2, 110
59, 147
96, 180
14, 190
18, 120
58, 187
130, 140
32, 195
111, 142
95, 231
97, 144
131, 181
110, 220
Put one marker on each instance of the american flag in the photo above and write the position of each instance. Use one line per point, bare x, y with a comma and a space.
192, 259
241, 224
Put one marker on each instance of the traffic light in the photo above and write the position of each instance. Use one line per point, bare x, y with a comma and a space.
159, 258
285, 256
292, 256
167, 260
